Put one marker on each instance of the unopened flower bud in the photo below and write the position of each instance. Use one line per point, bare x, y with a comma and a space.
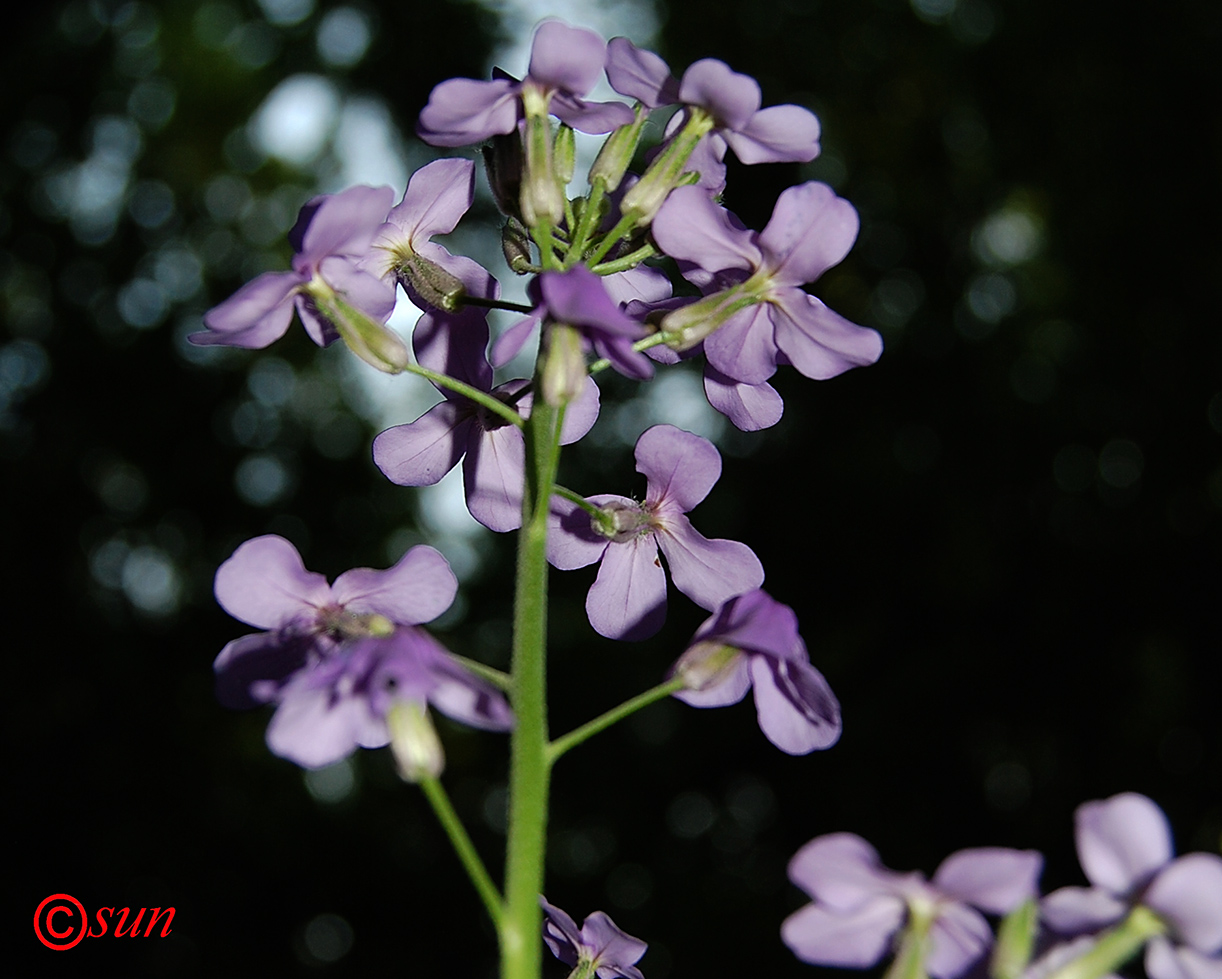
414, 741
564, 155
541, 199
441, 289
376, 344
564, 365
617, 152
688, 325
705, 664
503, 166
515, 246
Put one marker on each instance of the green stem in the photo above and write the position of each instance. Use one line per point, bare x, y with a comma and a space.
529, 772
629, 261
463, 846
467, 391
622, 230
604, 721
581, 501
1114, 947
497, 304
590, 214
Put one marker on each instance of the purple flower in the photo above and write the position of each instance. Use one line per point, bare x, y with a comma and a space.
607, 951
859, 904
493, 451
565, 64
265, 584
753, 641
1124, 846
328, 709
331, 240
755, 314
628, 598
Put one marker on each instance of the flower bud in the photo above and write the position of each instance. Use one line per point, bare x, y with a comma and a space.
564, 155
376, 344
414, 741
705, 664
440, 289
617, 152
515, 246
503, 165
541, 199
668, 169
564, 364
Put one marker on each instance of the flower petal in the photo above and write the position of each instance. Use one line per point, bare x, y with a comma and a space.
744, 348
750, 407
690, 227
1167, 961
572, 542
681, 467
811, 230
494, 474
255, 316
566, 58
707, 571
958, 938
841, 870
731, 686
421, 452
245, 666
437, 196
417, 589
1122, 841
640, 74
461, 111
732, 98
265, 584
1072, 910
855, 939
628, 598
797, 710
1187, 894
994, 879
342, 224
778, 134
818, 342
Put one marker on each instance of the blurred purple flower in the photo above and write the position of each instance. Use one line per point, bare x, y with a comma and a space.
493, 451
859, 904
1124, 846
610, 952
753, 640
565, 64
767, 318
331, 240
628, 598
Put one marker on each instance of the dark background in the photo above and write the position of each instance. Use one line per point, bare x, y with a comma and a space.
1001, 541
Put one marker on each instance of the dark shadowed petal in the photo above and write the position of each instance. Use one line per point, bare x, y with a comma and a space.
344, 224
1071, 910
681, 467
843, 871
743, 348
691, 228
581, 413
1122, 841
507, 345
454, 344
318, 328
732, 98
640, 74
571, 541
817, 341
421, 452
255, 660
642, 283
454, 690
811, 230
796, 708
437, 196
417, 589
566, 58
560, 933
628, 598
1187, 894
707, 571
462, 111
1167, 961
578, 297
751, 407
595, 118
265, 584
494, 475
958, 938
255, 316
994, 879
756, 622
854, 939
778, 134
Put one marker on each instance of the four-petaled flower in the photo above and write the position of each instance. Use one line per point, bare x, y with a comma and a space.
628, 598
599, 944
860, 904
753, 641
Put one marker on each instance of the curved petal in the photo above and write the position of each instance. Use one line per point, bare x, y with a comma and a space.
566, 58
811, 230
855, 939
454, 344
265, 584
642, 283
743, 348
437, 196
1167, 961
1071, 910
681, 467
581, 413
372, 295
732, 685
494, 474
994, 879
314, 728
628, 598
255, 316
958, 938
796, 708
818, 342
778, 134
417, 589
640, 74
594, 118
343, 224
560, 933
707, 571
571, 541
756, 622
476, 279
462, 111
732, 98
245, 666
461, 695
689, 227
841, 870
750, 407
421, 452
1187, 894
507, 345
1122, 841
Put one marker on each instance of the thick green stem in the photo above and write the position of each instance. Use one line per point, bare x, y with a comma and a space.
463, 847
1114, 947
615, 714
529, 772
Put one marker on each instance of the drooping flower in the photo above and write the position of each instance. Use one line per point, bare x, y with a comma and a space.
328, 286
265, 584
565, 64
493, 450
1125, 848
753, 641
599, 944
859, 904
755, 314
628, 598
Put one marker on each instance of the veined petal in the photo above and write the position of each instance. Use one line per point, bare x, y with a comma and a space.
681, 467
959, 937
343, 224
416, 590
421, 452
628, 598
255, 316
744, 348
855, 939
494, 474
1187, 894
460, 694
690, 227
454, 344
566, 58
437, 196
778, 134
797, 710
640, 74
817, 341
315, 728
811, 230
756, 622
994, 879
707, 571
1122, 841
732, 98
462, 111
594, 118
750, 407
571, 541
265, 584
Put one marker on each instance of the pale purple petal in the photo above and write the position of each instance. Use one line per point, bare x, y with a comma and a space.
707, 160
476, 279
343, 224
1122, 841
250, 670
1071, 910
732, 98
314, 728
578, 297
797, 710
994, 879
681, 467
640, 74
751, 407
958, 938
743, 348
560, 933
255, 316
581, 413
730, 688
642, 283
778, 134
690, 227
614, 950
507, 345
416, 590
265, 584
372, 295
817, 341
1187, 894
421, 452
811, 230
1167, 961
842, 870
854, 939
458, 693
756, 622
572, 542
628, 598
462, 111
594, 118
566, 58
494, 474
707, 571
437, 196
454, 344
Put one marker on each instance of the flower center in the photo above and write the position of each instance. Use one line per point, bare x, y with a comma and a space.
622, 522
